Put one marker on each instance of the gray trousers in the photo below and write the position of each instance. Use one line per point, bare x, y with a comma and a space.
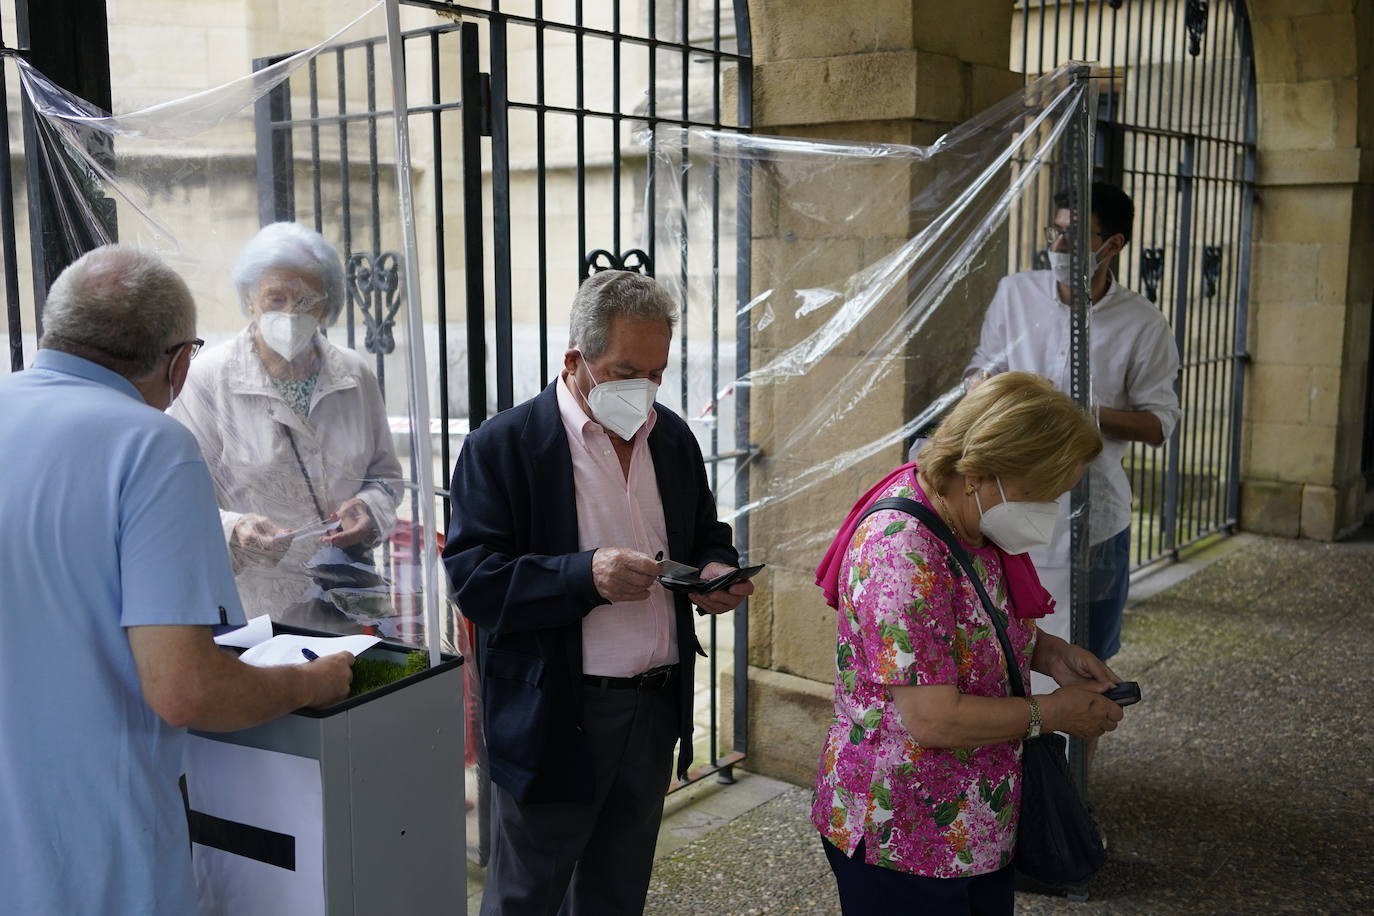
591, 859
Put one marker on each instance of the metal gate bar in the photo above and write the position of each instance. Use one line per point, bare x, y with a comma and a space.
15, 323
1243, 212
1176, 130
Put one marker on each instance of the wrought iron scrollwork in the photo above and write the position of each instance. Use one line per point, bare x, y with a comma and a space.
1195, 20
1211, 269
1115, 4
375, 284
635, 260
1152, 271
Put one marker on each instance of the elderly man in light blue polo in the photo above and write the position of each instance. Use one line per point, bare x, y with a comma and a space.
114, 570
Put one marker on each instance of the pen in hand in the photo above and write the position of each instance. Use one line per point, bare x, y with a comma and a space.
309, 656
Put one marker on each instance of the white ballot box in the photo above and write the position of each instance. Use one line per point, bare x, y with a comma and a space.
352, 809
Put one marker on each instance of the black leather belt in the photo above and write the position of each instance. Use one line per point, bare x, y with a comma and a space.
653, 679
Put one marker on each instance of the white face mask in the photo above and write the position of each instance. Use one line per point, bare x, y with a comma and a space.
1063, 273
1017, 526
623, 406
286, 333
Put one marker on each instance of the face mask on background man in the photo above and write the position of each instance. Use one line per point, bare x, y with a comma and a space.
1063, 272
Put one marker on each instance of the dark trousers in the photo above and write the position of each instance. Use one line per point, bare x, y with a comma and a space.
871, 890
590, 859
1109, 580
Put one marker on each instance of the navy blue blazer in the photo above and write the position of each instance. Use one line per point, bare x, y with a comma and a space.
513, 560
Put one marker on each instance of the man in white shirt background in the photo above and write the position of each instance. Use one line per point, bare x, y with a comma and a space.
1133, 363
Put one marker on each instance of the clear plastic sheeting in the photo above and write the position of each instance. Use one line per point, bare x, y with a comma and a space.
296, 434
873, 273
303, 399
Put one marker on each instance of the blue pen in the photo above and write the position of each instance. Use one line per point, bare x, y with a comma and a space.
309, 656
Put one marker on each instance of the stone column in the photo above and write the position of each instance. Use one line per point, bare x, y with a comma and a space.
893, 71
1313, 274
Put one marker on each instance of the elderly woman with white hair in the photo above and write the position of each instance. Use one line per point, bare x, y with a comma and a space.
295, 433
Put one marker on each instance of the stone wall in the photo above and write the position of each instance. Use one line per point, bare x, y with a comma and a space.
1313, 269
877, 71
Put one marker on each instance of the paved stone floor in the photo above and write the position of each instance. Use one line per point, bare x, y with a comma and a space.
1243, 783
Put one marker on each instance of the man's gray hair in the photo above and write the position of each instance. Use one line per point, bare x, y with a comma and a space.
612, 294
120, 307
293, 247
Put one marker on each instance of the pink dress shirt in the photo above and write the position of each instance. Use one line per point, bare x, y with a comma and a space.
628, 637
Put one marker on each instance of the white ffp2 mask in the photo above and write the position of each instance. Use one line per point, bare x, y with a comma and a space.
1017, 527
1063, 271
287, 333
622, 406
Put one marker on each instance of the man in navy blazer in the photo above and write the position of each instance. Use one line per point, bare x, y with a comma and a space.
562, 507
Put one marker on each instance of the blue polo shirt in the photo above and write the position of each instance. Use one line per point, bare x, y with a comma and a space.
107, 521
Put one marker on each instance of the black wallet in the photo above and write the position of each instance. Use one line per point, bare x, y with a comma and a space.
685, 583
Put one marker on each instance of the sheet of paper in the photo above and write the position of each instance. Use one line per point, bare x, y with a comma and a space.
286, 648
257, 630
257, 829
308, 531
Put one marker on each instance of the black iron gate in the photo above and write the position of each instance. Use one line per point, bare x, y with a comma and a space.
1176, 130
532, 142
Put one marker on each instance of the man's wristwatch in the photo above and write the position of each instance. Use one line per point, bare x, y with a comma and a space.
1033, 729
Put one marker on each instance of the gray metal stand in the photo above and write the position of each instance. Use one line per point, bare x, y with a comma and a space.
391, 781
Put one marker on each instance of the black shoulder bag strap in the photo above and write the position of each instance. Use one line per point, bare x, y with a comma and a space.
1057, 842
310, 485
937, 525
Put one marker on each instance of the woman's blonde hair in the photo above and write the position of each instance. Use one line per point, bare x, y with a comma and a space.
1013, 425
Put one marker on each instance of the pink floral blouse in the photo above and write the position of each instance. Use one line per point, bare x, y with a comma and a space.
909, 616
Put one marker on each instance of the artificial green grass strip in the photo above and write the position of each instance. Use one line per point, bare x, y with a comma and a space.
371, 674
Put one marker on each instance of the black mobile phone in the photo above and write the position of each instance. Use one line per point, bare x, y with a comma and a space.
1124, 694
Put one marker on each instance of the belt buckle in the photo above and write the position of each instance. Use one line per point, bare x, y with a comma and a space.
653, 680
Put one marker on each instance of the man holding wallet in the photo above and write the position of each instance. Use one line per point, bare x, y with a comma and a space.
563, 506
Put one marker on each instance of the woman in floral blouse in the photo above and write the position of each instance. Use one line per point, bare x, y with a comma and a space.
919, 786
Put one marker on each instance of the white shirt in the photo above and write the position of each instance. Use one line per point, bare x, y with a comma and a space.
1133, 364
628, 637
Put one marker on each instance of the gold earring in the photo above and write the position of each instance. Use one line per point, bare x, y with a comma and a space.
968, 489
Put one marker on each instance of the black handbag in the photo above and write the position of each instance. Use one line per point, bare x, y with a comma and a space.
1057, 841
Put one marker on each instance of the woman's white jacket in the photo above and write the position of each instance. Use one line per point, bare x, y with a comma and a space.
246, 431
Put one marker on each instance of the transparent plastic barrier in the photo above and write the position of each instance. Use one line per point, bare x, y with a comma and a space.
304, 399
874, 270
